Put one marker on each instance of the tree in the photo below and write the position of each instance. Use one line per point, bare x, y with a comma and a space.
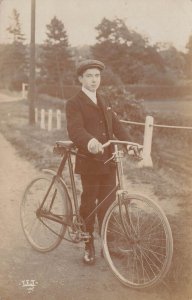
125, 51
13, 64
113, 38
56, 60
189, 56
174, 60
15, 28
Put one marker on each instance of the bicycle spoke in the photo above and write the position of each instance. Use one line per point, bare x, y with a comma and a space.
144, 269
44, 235
117, 227
150, 260
156, 246
115, 231
30, 224
141, 249
154, 253
138, 223
130, 225
118, 222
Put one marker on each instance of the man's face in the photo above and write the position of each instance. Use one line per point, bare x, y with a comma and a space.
91, 79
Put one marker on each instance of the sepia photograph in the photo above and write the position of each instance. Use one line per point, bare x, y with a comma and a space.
96, 149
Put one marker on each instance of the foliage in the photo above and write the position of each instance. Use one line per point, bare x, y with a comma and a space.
124, 103
53, 89
175, 61
160, 92
110, 78
80, 52
55, 61
173, 58
189, 57
133, 59
125, 51
13, 63
141, 91
126, 107
15, 27
152, 76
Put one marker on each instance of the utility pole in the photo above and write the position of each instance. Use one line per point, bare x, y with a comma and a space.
32, 92
0, 20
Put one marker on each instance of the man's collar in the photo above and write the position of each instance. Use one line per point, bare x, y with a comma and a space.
91, 95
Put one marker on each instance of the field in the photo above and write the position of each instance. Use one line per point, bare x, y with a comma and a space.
169, 180
182, 107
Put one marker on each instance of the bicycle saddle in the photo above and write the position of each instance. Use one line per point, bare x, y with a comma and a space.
65, 144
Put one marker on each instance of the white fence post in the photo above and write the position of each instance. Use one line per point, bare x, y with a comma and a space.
50, 117
147, 143
42, 119
24, 91
36, 115
58, 119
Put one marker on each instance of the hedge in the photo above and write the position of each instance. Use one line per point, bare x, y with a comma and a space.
147, 92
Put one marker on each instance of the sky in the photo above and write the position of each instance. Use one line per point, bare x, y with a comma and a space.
167, 21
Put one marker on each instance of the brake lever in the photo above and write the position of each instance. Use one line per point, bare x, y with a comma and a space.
111, 158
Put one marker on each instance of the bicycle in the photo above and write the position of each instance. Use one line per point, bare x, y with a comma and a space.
136, 236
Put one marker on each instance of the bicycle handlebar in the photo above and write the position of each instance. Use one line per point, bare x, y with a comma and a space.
134, 147
117, 142
62, 146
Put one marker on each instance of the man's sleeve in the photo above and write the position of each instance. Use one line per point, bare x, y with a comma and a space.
75, 126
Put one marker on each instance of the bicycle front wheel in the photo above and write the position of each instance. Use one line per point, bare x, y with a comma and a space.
137, 241
41, 232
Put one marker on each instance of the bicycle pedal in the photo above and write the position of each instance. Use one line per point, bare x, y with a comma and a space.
85, 236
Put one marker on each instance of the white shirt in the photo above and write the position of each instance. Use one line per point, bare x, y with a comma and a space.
91, 95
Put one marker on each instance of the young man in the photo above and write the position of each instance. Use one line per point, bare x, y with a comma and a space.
90, 123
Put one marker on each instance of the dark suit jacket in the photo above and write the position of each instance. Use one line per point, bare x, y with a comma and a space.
86, 120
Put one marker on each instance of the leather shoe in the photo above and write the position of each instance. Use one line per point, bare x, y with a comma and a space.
89, 254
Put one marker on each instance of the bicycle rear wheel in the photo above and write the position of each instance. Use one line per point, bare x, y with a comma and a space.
42, 233
137, 241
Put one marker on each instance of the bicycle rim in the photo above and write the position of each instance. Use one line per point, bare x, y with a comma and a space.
44, 234
137, 241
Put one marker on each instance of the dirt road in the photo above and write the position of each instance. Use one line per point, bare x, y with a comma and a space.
9, 98
58, 275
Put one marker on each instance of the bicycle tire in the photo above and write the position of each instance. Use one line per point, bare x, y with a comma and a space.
43, 234
137, 241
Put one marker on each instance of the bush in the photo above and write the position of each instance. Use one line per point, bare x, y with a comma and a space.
110, 78
127, 107
55, 90
144, 91
48, 102
153, 76
124, 103
16, 83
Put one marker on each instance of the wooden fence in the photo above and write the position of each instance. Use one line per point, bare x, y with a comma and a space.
47, 123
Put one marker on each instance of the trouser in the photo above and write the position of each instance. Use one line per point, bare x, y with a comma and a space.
96, 187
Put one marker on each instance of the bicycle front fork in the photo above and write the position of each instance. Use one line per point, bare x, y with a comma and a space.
127, 225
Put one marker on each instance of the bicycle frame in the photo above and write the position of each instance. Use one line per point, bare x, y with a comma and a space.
119, 188
67, 157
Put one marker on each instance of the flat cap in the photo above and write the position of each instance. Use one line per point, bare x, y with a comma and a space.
89, 64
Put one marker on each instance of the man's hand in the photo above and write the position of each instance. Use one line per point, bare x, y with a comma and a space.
135, 151
94, 146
